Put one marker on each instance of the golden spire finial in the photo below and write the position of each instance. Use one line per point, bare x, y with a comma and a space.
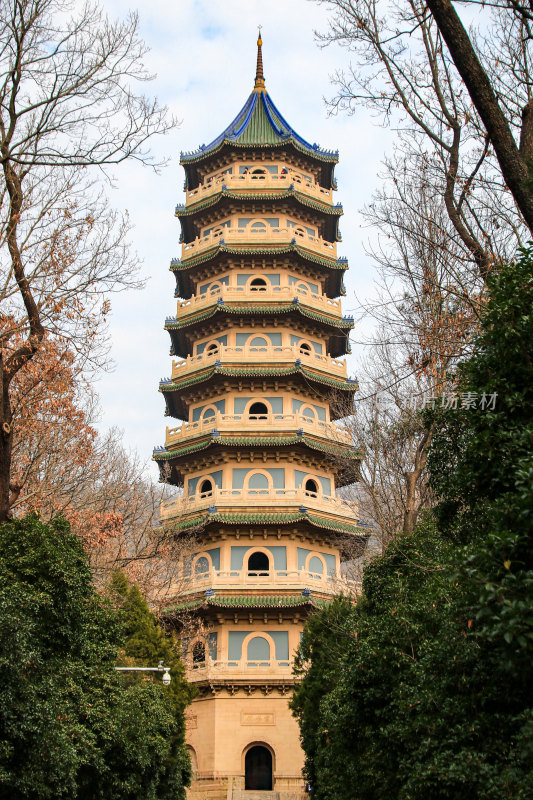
259, 76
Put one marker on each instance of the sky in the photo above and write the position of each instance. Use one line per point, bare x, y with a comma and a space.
203, 54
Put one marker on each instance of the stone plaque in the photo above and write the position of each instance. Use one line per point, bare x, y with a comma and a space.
264, 718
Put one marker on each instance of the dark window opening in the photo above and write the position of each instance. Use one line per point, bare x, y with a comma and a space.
206, 487
259, 564
198, 653
311, 487
258, 285
258, 411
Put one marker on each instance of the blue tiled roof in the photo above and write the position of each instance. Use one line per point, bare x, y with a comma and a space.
259, 122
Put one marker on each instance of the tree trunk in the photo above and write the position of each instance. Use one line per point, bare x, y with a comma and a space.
514, 169
6, 444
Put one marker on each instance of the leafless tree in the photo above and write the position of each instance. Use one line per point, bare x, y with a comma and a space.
454, 203
401, 68
424, 325
68, 111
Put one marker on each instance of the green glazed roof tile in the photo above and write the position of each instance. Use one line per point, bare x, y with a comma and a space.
251, 601
236, 307
344, 385
331, 263
338, 450
200, 205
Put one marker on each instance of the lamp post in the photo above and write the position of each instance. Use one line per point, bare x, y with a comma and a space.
160, 668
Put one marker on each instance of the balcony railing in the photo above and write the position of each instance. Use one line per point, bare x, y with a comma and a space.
267, 579
246, 356
258, 294
271, 499
259, 236
257, 423
239, 670
258, 183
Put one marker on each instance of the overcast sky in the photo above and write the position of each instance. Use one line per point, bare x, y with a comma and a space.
204, 55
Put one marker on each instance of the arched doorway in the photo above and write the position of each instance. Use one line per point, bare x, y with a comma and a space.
258, 769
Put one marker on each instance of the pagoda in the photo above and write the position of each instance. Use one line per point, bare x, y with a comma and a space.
256, 386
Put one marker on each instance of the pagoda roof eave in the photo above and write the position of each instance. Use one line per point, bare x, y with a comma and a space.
239, 307
322, 206
200, 520
338, 450
196, 157
178, 265
255, 600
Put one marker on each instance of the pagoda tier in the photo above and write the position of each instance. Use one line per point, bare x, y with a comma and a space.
258, 385
225, 259
298, 317
230, 209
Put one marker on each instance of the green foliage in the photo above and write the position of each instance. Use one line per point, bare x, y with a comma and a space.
318, 659
69, 725
431, 699
145, 645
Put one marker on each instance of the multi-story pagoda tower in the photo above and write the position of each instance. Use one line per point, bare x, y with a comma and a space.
258, 335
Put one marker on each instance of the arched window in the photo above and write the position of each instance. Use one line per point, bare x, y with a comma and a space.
308, 412
211, 349
258, 563
198, 653
315, 566
207, 413
258, 341
258, 410
206, 486
258, 482
305, 349
258, 649
258, 284
202, 565
258, 173
311, 486
258, 769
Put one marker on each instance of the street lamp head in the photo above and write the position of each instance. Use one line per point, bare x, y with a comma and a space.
166, 677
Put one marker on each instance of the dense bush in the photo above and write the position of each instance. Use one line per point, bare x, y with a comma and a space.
70, 726
425, 691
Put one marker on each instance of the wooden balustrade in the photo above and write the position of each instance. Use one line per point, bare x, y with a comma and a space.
256, 498
257, 423
260, 294
258, 183
245, 356
267, 235
286, 579
243, 668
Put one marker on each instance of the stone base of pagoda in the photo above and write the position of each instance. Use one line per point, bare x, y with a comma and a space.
230, 788
221, 730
